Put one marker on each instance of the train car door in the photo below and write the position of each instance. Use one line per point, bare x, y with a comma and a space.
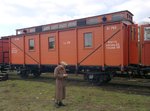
145, 45
133, 43
67, 46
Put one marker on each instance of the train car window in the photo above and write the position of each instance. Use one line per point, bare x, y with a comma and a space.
117, 17
81, 22
46, 28
63, 25
51, 43
72, 24
31, 30
131, 18
87, 40
19, 31
91, 21
54, 27
38, 29
133, 33
147, 33
31, 44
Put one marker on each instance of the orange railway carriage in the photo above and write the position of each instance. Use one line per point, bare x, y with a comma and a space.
4, 55
4, 50
94, 42
97, 45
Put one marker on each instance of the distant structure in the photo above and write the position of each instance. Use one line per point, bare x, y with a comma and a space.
144, 23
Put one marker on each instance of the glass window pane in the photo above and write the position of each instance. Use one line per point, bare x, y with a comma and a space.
63, 25
46, 28
91, 21
88, 40
31, 44
54, 27
72, 24
51, 43
147, 33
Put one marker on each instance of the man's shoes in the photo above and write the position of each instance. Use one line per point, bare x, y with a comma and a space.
61, 104
57, 105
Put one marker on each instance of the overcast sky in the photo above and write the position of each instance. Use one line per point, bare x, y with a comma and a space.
15, 14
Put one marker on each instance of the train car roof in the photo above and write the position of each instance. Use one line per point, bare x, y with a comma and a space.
77, 19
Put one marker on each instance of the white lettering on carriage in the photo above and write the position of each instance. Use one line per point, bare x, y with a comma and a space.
111, 27
14, 50
112, 45
67, 42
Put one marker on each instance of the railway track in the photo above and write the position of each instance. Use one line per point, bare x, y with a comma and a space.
137, 86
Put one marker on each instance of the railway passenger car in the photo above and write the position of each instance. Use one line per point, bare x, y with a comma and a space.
88, 45
4, 52
4, 57
96, 46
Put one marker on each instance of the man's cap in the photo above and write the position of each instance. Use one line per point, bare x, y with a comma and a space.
63, 63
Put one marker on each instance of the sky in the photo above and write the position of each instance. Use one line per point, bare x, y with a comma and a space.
16, 14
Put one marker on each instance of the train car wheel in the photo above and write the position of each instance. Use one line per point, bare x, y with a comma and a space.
85, 77
107, 78
24, 74
99, 79
36, 74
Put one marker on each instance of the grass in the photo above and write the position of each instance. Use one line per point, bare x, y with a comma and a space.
38, 95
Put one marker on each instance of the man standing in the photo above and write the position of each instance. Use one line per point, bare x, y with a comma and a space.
60, 75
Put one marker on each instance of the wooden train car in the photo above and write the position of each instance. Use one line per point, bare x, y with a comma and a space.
4, 57
97, 46
4, 50
94, 43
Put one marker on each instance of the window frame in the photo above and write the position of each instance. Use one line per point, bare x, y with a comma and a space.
88, 47
50, 43
29, 45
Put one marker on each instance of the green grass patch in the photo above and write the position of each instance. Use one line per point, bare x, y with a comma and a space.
38, 95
